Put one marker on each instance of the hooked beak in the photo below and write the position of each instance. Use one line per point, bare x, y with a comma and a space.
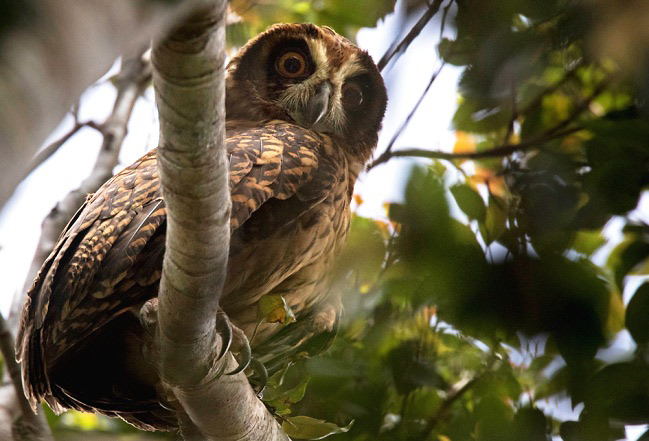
317, 106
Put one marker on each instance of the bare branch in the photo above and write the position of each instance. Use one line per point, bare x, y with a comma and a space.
190, 93
496, 152
29, 426
405, 123
51, 54
47, 152
395, 49
452, 395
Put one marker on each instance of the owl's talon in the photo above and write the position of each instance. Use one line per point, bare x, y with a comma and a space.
224, 329
149, 315
245, 353
261, 371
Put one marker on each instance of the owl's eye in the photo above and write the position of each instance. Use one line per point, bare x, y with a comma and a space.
352, 96
291, 64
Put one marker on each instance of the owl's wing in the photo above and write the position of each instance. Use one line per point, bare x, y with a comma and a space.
110, 256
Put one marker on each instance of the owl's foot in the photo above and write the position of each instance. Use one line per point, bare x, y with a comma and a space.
235, 338
231, 336
149, 316
259, 368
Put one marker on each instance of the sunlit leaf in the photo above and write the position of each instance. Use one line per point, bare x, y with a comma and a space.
464, 143
587, 242
274, 309
304, 427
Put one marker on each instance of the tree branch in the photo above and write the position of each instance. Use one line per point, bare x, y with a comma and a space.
395, 49
560, 130
50, 51
496, 152
405, 123
452, 395
190, 93
28, 426
131, 82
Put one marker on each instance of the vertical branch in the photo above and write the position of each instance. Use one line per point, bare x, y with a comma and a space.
188, 77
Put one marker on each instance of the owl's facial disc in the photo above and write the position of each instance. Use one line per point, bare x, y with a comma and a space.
317, 90
312, 77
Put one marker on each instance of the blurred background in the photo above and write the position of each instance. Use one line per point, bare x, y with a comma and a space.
494, 277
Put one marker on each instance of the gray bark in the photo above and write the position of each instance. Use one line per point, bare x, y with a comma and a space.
50, 53
188, 76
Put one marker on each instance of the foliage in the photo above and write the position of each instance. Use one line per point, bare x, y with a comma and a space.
493, 288
343, 16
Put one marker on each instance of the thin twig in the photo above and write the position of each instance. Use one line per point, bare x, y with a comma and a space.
400, 130
550, 89
444, 16
496, 152
558, 131
45, 154
456, 391
414, 32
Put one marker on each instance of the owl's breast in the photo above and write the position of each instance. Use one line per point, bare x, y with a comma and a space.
293, 260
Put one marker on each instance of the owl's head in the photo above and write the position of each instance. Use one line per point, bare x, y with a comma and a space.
313, 77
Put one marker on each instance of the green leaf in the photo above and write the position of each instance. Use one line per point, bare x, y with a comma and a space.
304, 427
637, 312
469, 201
274, 309
631, 255
281, 401
456, 52
587, 242
495, 220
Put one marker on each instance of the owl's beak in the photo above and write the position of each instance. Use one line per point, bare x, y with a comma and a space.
317, 106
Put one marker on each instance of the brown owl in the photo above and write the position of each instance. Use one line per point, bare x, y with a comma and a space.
304, 107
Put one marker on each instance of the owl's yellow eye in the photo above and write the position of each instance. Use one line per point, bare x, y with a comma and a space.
291, 64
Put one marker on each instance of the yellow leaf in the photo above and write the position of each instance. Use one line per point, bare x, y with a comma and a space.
365, 288
464, 143
274, 309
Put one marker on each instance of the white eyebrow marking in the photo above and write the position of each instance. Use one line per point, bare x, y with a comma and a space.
297, 95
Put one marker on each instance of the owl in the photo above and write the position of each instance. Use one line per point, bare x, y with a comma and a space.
304, 107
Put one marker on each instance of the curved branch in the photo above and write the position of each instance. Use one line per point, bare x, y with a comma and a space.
496, 152
190, 93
